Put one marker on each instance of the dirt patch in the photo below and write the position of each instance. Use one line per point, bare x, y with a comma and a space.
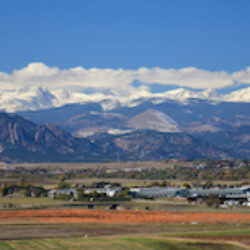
95, 216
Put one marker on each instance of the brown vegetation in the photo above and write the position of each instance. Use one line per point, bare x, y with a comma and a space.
95, 216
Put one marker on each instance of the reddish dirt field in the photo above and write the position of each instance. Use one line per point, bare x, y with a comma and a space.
95, 216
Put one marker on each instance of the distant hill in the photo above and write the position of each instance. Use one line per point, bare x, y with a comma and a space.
154, 120
152, 145
25, 141
92, 122
194, 116
217, 123
235, 141
61, 114
22, 140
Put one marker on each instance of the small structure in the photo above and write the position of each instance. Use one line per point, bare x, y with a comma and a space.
159, 192
109, 191
194, 194
65, 191
113, 206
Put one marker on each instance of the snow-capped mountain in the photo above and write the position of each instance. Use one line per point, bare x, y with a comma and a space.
154, 120
128, 121
241, 95
36, 98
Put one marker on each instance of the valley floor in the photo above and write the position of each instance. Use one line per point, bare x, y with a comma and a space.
98, 229
142, 243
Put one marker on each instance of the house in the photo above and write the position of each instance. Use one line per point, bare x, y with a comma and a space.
192, 194
66, 191
108, 190
159, 192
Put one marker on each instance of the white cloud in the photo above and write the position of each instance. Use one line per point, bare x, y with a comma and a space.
117, 80
185, 77
242, 76
35, 70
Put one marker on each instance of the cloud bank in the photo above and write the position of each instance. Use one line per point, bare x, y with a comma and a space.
39, 74
38, 86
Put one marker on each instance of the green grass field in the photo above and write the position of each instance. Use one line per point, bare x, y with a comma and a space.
216, 234
28, 235
137, 204
116, 243
29, 202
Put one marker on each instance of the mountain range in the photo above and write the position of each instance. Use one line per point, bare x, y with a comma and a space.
75, 126
38, 97
25, 141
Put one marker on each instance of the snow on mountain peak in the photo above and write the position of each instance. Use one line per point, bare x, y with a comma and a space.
155, 120
35, 98
32, 98
241, 95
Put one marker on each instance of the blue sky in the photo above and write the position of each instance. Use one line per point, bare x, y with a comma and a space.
210, 35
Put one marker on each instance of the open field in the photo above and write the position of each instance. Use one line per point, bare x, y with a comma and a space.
95, 229
30, 200
98, 165
133, 205
25, 229
162, 223
84, 173
123, 236
122, 216
118, 243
